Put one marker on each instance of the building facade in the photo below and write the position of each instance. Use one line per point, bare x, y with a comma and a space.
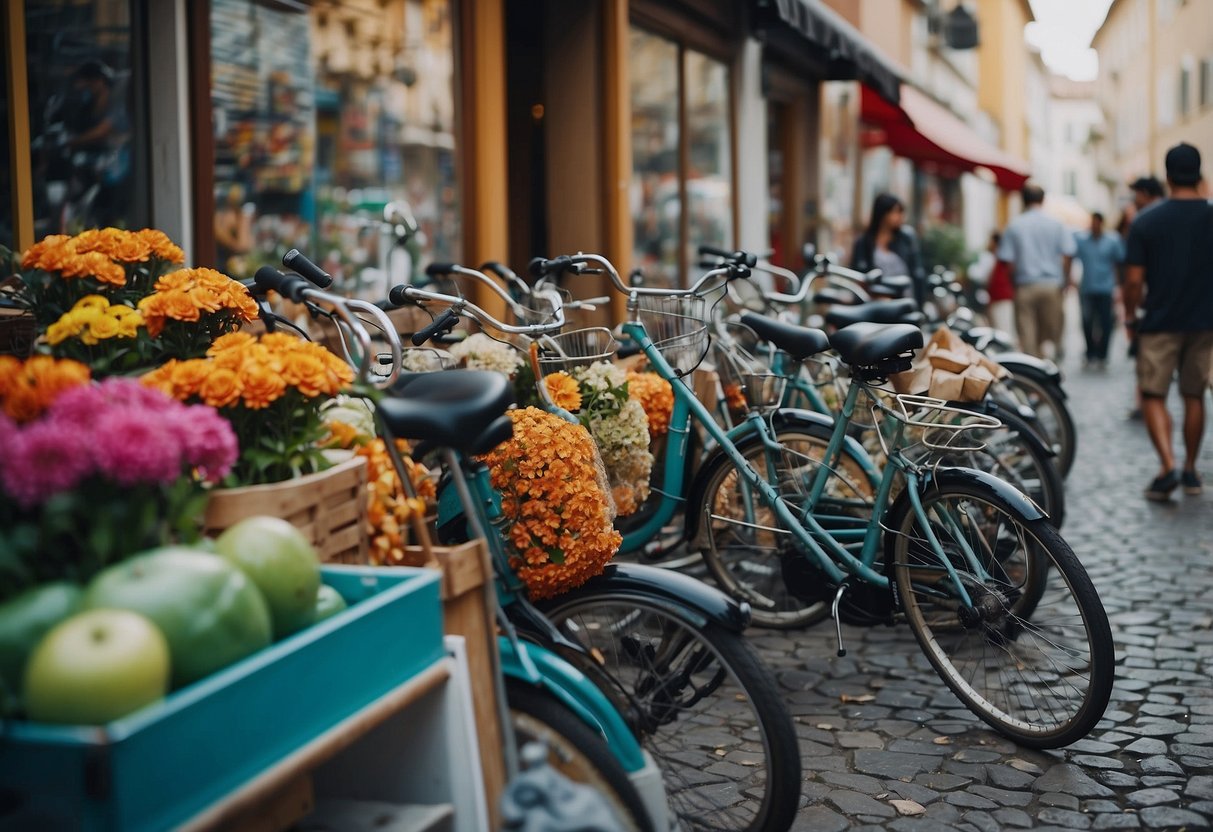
1155, 86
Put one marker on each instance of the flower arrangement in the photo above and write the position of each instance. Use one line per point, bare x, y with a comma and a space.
564, 391
27, 388
551, 492
271, 389
389, 510
656, 397
480, 352
59, 270
109, 337
190, 308
103, 471
619, 426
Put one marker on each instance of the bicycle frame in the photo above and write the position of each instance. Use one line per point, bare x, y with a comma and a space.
815, 542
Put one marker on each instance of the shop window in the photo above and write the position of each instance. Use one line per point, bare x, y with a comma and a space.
321, 118
88, 146
7, 237
681, 156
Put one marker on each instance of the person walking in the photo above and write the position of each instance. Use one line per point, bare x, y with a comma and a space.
1037, 249
1170, 256
992, 273
889, 244
1147, 192
1101, 253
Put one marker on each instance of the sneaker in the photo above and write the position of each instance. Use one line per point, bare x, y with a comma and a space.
1160, 489
1192, 483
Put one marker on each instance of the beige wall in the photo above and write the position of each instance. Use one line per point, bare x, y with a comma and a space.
1002, 71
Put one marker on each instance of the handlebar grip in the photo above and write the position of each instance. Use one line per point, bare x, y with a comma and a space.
541, 267
740, 258
500, 269
439, 269
398, 296
442, 323
297, 262
289, 286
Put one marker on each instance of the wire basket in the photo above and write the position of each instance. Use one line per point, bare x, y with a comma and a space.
678, 328
746, 382
579, 348
941, 426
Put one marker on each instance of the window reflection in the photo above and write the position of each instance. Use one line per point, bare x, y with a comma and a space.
656, 204
85, 152
324, 117
709, 166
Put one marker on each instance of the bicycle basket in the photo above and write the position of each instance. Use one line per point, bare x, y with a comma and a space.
941, 426
745, 379
678, 328
578, 348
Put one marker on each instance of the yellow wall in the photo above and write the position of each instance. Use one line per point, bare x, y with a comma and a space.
1002, 68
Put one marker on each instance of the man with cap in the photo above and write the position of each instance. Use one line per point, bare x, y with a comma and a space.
1170, 257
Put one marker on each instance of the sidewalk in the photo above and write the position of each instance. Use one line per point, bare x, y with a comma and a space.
878, 725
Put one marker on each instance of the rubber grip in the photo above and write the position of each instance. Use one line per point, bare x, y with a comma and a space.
297, 262
443, 322
439, 269
289, 286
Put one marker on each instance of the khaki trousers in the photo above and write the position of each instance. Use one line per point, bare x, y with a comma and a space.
1038, 316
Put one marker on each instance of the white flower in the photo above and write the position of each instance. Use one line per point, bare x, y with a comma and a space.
630, 426
601, 376
480, 352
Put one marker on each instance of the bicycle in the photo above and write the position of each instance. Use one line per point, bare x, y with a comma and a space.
547, 697
967, 559
666, 648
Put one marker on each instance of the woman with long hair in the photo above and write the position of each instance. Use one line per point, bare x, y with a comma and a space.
889, 244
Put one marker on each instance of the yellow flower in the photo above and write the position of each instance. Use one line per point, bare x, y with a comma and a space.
91, 302
104, 327
564, 391
58, 332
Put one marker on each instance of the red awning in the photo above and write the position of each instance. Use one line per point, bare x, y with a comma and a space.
925, 132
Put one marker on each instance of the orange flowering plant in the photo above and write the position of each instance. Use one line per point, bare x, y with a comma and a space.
59, 270
190, 308
555, 498
271, 389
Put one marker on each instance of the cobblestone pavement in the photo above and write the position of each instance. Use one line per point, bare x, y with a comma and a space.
879, 726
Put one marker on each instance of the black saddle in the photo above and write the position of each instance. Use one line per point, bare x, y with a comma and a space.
877, 312
830, 295
460, 409
797, 341
877, 349
898, 282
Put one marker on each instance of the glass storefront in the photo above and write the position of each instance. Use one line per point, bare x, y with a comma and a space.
324, 116
666, 190
7, 239
88, 149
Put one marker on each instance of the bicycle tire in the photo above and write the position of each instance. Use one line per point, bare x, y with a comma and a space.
762, 567
701, 702
1068, 648
1055, 423
575, 750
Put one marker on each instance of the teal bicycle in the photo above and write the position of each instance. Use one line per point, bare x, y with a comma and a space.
1002, 608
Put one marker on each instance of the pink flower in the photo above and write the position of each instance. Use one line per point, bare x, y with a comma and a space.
208, 440
76, 409
133, 446
43, 460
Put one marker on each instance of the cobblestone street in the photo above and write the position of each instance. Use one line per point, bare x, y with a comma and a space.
878, 726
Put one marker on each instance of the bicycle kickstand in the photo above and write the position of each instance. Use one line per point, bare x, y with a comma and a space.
842, 588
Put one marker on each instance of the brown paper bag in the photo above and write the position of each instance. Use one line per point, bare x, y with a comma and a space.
977, 381
946, 385
952, 360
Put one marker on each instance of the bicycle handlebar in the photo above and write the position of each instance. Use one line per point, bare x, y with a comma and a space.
543, 267
298, 290
295, 261
442, 324
404, 294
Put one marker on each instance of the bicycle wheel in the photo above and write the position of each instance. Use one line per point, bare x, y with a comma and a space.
574, 749
702, 704
1033, 655
1053, 419
746, 550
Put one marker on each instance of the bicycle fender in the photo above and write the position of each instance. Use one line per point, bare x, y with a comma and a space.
576, 692
1020, 362
783, 418
687, 598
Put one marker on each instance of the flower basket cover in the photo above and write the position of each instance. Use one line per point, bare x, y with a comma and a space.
328, 506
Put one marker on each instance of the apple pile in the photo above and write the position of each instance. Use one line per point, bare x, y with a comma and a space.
158, 621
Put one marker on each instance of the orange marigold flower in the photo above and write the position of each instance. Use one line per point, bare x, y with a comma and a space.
564, 390
220, 388
49, 254
161, 245
94, 264
656, 397
305, 372
231, 341
260, 387
205, 298
187, 378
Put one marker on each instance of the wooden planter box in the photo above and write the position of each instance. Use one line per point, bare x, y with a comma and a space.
329, 507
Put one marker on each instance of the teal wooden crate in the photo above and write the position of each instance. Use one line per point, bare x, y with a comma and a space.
164, 764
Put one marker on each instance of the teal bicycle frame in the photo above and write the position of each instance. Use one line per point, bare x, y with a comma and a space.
822, 546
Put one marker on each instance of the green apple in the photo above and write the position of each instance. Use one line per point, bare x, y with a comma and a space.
281, 562
328, 602
95, 667
25, 619
210, 613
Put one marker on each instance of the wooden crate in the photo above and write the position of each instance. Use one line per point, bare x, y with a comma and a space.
329, 507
